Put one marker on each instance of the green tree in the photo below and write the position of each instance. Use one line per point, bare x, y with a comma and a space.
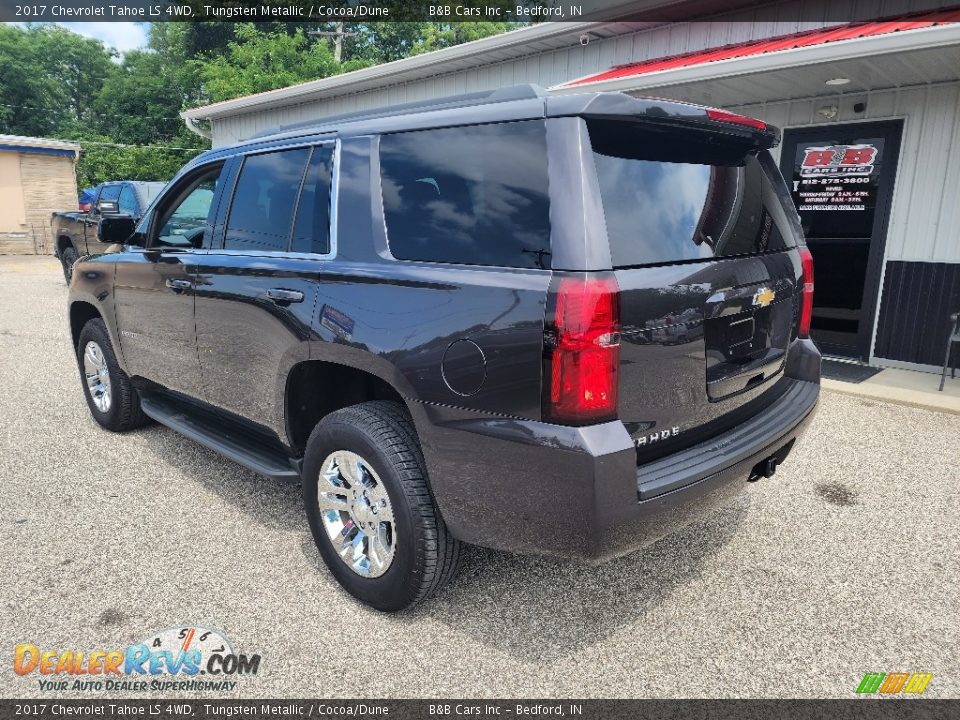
437, 36
80, 65
257, 62
382, 42
99, 163
140, 103
31, 102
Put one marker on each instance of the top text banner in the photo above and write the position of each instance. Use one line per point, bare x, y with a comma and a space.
321, 11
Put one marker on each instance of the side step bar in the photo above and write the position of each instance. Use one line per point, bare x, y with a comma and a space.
243, 448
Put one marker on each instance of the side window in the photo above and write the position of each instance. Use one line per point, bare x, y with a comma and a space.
311, 229
262, 210
183, 220
474, 195
128, 201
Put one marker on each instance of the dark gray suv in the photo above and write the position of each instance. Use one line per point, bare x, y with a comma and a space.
564, 325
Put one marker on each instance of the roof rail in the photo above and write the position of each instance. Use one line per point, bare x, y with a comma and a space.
486, 97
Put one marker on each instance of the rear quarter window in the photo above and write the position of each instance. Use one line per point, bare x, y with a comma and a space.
474, 195
662, 206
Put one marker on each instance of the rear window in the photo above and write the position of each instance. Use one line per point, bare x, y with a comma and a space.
472, 195
669, 197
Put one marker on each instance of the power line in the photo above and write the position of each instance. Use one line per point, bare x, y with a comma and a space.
102, 114
124, 145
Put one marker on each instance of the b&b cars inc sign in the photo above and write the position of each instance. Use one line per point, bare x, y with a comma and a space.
837, 177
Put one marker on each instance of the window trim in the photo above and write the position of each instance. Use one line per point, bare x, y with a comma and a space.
334, 198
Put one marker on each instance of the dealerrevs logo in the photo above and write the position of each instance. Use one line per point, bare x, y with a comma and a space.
187, 658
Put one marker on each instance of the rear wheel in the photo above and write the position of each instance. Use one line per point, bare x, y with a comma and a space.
68, 256
111, 397
370, 509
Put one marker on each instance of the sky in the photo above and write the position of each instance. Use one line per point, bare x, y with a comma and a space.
120, 35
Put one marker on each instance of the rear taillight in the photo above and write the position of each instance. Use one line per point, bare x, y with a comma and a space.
582, 350
806, 302
729, 117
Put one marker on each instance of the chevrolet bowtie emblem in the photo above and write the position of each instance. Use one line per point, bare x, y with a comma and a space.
763, 297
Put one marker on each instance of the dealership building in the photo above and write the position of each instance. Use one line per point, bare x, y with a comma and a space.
870, 113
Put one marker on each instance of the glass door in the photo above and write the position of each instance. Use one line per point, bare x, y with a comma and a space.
841, 179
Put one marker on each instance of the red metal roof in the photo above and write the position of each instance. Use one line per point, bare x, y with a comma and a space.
770, 45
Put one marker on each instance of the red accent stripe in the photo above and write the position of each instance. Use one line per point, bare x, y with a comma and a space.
188, 639
777, 44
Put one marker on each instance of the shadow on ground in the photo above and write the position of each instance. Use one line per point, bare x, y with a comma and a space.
272, 504
520, 605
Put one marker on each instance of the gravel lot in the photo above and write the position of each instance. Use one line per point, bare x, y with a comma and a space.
846, 562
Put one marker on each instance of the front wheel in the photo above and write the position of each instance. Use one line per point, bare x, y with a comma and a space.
112, 399
370, 509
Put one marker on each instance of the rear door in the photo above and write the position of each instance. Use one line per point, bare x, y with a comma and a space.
257, 285
704, 253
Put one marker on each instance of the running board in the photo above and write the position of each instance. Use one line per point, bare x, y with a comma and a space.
222, 437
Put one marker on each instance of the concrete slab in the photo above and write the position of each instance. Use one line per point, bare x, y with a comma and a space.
905, 387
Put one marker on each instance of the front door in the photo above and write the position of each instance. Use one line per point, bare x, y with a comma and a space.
841, 179
154, 287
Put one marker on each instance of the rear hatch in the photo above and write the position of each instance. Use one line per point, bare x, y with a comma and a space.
705, 256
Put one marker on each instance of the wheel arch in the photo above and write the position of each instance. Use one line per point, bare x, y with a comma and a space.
316, 388
81, 312
63, 242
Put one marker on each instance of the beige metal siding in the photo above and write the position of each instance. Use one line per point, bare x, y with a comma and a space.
925, 215
48, 184
11, 190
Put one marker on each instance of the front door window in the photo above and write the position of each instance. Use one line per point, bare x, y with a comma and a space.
183, 223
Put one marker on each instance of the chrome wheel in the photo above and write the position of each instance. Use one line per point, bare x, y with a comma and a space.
97, 374
357, 514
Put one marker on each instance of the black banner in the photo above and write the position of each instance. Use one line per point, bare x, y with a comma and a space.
448, 709
317, 11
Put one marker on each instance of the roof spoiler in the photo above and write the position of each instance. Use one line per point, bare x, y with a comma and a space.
614, 106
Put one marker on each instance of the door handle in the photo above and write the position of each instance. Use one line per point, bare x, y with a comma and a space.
178, 284
285, 296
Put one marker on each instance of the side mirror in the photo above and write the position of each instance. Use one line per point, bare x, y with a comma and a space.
115, 229
108, 207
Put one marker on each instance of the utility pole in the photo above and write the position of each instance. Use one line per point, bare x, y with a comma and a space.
338, 35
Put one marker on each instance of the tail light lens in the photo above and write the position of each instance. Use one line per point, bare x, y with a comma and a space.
806, 302
582, 350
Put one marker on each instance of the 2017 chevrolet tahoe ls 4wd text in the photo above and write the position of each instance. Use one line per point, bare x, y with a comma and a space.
564, 325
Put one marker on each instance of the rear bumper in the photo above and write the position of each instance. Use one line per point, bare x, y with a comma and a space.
533, 487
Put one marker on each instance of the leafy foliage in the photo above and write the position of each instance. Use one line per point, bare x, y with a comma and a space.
255, 62
124, 112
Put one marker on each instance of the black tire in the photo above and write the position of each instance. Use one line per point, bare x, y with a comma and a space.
425, 555
124, 411
68, 256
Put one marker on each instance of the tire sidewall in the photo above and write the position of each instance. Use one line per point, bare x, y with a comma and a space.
397, 587
96, 331
68, 257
